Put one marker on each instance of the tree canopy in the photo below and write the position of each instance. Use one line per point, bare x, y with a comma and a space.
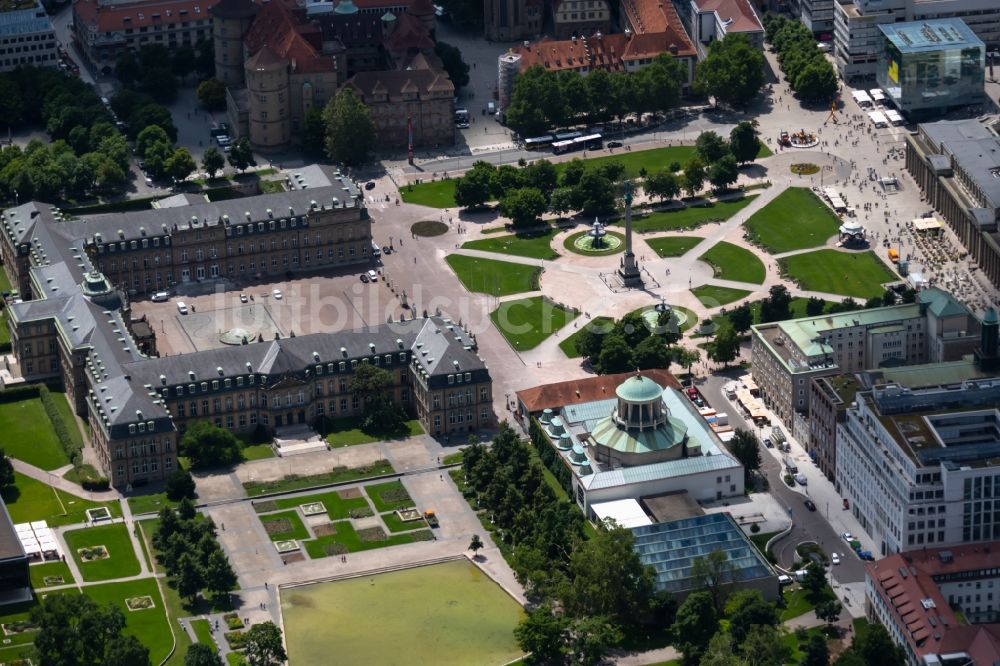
350, 130
809, 73
264, 645
73, 630
732, 72
207, 445
451, 58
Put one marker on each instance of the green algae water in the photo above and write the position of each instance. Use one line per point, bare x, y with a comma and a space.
442, 614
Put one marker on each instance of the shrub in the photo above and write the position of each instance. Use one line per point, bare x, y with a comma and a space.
71, 448
755, 528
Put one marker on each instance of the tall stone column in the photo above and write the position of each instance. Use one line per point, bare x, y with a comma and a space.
629, 272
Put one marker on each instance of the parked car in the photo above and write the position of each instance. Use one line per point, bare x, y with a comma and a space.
161, 296
370, 185
810, 505
364, 278
243, 298
614, 144
277, 294
848, 536
801, 479
373, 276
835, 558
768, 443
784, 580
386, 249
182, 307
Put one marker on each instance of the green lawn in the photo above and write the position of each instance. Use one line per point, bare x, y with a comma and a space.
394, 524
257, 451
28, 434
66, 412
636, 160
350, 542
336, 475
673, 246
796, 219
732, 262
453, 458
4, 329
236, 659
40, 571
388, 496
858, 274
336, 508
796, 603
436, 194
32, 500
528, 321
797, 649
151, 503
597, 324
690, 217
203, 630
294, 530
347, 432
497, 278
147, 528
148, 625
712, 296
535, 245
115, 538
570, 244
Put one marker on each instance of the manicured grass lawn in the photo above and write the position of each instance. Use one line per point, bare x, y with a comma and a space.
497, 278
40, 571
597, 324
33, 500
712, 296
349, 539
760, 540
690, 217
535, 246
236, 659
336, 475
636, 160
794, 220
528, 321
151, 503
149, 625
453, 458
394, 524
858, 274
336, 508
4, 328
388, 496
147, 528
732, 262
28, 434
673, 246
570, 244
203, 631
115, 539
347, 432
296, 529
436, 194
796, 604
257, 451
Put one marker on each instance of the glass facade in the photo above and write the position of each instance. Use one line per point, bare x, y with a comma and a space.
927, 68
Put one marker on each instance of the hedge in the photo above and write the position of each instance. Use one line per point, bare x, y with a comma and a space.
18, 393
128, 206
62, 432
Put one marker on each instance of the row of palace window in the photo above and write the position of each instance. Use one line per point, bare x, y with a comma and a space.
141, 448
150, 466
458, 398
192, 408
455, 418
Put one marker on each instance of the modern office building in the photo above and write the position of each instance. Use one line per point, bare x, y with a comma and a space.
917, 595
15, 581
630, 436
27, 37
786, 356
956, 164
922, 467
858, 40
929, 67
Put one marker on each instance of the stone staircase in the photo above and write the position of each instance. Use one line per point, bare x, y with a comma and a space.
297, 439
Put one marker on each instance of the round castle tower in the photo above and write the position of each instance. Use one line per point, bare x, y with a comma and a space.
230, 21
268, 95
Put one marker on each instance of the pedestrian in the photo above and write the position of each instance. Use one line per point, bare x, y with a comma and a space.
223, 527
265, 584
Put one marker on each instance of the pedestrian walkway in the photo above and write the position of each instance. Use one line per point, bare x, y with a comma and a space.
55, 479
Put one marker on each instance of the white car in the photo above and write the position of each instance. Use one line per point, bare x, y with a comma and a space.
160, 297
835, 558
244, 299
373, 276
277, 294
182, 307
848, 536
801, 479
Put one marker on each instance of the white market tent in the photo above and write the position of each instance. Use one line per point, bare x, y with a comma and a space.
625, 512
928, 224
893, 116
877, 94
861, 97
878, 118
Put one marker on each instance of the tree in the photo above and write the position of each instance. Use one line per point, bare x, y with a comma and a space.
183, 60
817, 652
212, 94
350, 130
725, 347
180, 165
829, 610
616, 355
542, 633
710, 147
694, 626
241, 155
73, 630
744, 143
207, 445
651, 353
744, 448
380, 414
190, 579
149, 137
741, 317
686, 357
594, 194
732, 72
313, 132
199, 654
6, 472
475, 188
451, 59
763, 646
213, 161
590, 637
874, 646
523, 206
817, 81
541, 175
715, 575
264, 646
659, 83
814, 306
747, 608
218, 574
180, 485
693, 177
720, 651
186, 509
662, 184
724, 172
777, 306
814, 582
632, 328
475, 545
125, 651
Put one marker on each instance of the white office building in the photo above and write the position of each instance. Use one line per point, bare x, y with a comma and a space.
922, 467
27, 38
857, 39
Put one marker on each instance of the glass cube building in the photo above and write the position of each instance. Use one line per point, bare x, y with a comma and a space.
928, 67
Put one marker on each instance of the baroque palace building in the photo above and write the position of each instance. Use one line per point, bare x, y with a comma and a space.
74, 326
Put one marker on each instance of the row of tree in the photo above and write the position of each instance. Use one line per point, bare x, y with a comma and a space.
630, 343
542, 99
809, 73
156, 70
187, 547
732, 72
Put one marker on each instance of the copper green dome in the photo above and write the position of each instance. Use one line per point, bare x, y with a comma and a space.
639, 389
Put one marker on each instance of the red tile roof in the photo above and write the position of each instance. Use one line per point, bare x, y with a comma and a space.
111, 18
410, 33
952, 559
742, 15
394, 84
575, 391
285, 31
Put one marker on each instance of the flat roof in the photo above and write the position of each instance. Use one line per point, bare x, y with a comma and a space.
625, 512
672, 506
10, 544
930, 35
